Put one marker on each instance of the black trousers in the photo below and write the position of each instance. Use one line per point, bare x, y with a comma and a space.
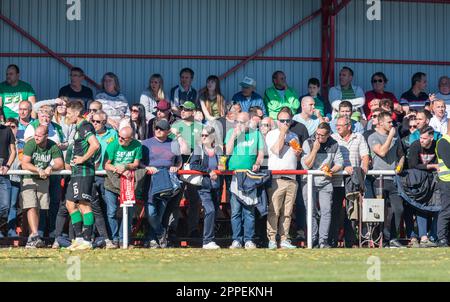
393, 210
444, 214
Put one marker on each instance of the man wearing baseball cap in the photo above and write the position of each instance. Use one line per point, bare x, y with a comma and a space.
247, 97
163, 111
188, 133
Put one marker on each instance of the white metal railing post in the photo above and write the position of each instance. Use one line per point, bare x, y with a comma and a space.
309, 183
125, 226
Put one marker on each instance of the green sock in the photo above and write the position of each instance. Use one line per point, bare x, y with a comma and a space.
88, 221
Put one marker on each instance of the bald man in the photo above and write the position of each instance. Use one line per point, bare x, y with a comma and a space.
38, 155
123, 155
245, 146
309, 116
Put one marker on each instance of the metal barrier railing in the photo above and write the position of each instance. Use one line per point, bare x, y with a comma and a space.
310, 174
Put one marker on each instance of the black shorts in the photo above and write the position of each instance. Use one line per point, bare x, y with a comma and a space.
80, 188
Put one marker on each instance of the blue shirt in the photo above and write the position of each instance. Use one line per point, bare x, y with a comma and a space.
246, 104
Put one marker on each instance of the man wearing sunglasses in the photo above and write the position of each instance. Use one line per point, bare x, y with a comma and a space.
245, 146
387, 151
189, 131
321, 152
160, 152
282, 193
123, 155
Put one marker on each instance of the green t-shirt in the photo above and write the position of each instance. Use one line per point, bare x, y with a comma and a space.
41, 157
106, 139
191, 134
12, 96
245, 150
123, 155
348, 94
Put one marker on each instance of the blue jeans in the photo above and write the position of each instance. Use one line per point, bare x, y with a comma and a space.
12, 215
5, 196
422, 224
112, 204
155, 208
242, 220
210, 201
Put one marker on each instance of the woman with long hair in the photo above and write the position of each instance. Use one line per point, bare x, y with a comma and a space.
206, 159
212, 100
113, 101
152, 95
137, 122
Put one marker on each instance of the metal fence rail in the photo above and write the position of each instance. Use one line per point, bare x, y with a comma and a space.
310, 174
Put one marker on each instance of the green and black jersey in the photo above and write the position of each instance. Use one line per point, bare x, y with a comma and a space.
84, 131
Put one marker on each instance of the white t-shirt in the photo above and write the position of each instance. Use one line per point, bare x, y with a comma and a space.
287, 159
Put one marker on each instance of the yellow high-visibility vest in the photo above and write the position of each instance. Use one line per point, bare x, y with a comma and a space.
444, 171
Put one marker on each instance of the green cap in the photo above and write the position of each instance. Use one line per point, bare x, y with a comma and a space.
356, 116
188, 105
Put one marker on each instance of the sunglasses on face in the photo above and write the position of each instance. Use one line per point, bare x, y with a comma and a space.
374, 116
123, 138
96, 122
377, 81
12, 126
93, 110
159, 129
135, 110
205, 135
285, 121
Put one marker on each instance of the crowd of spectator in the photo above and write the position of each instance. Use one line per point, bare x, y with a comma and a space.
150, 141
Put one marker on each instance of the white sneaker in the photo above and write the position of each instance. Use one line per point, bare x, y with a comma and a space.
110, 245
80, 244
55, 245
236, 245
249, 245
211, 246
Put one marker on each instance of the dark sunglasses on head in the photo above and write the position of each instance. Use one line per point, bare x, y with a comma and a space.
378, 81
